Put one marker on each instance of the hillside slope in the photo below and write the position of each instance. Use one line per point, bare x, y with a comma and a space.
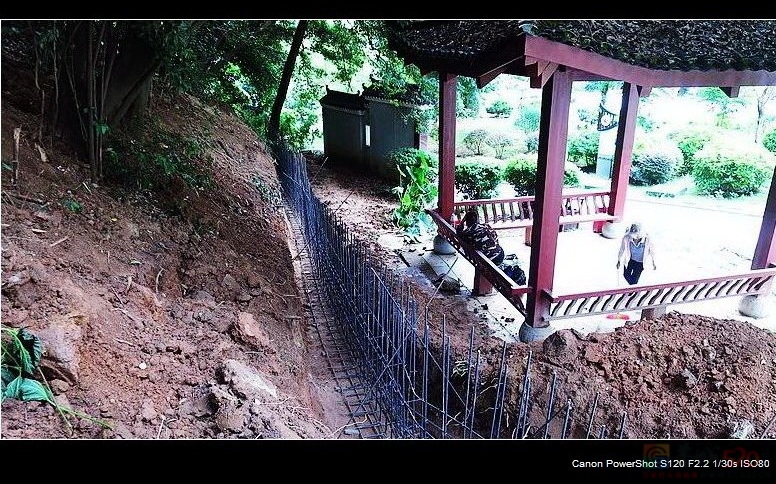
170, 315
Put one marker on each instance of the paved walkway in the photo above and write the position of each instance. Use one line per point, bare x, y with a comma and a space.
692, 242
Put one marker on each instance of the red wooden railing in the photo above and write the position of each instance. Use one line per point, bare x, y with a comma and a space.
643, 297
483, 265
630, 298
505, 213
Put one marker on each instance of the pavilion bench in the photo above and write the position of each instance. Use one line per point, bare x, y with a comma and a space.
577, 207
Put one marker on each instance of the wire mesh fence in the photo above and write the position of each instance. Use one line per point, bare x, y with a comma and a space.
422, 390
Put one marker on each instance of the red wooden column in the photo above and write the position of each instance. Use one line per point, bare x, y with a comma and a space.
765, 250
446, 195
626, 129
553, 133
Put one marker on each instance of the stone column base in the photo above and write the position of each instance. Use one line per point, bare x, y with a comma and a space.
528, 334
613, 230
442, 246
755, 306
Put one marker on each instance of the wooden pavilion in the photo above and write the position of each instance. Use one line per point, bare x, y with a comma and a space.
552, 54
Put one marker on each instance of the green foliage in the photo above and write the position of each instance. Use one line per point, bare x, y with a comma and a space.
731, 170
233, 63
769, 141
689, 142
238, 63
477, 179
500, 142
532, 142
528, 118
72, 205
395, 75
499, 109
416, 190
654, 164
721, 103
521, 174
268, 193
475, 141
21, 354
571, 175
467, 98
159, 157
298, 120
582, 150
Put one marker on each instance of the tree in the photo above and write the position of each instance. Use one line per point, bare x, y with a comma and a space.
499, 108
95, 75
475, 140
720, 102
285, 80
468, 98
95, 78
765, 95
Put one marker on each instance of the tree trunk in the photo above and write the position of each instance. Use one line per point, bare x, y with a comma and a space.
273, 127
108, 78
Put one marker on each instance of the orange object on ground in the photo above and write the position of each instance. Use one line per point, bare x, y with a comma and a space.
618, 316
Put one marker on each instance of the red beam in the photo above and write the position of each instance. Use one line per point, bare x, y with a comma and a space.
623, 149
485, 78
765, 250
541, 48
553, 132
447, 94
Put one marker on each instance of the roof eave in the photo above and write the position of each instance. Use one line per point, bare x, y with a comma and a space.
537, 58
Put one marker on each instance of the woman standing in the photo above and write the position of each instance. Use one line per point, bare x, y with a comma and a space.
635, 247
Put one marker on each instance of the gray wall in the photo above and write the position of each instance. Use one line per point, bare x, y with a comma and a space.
389, 131
343, 135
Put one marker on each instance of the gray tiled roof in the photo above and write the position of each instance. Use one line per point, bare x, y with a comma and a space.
655, 44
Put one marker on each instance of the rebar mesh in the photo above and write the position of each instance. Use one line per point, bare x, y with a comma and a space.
392, 364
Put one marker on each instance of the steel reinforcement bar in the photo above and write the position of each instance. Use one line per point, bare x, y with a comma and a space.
398, 379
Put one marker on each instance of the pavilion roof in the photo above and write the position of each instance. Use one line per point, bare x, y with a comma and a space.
644, 52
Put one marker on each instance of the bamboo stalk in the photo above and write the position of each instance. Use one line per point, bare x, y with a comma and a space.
15, 162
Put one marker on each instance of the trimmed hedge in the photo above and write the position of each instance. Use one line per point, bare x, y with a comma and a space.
477, 179
521, 174
655, 165
732, 170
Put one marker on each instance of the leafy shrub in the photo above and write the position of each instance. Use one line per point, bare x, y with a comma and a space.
689, 142
532, 142
156, 159
528, 119
500, 142
22, 352
582, 150
475, 141
477, 179
521, 174
654, 164
416, 189
731, 170
499, 109
72, 205
571, 175
769, 141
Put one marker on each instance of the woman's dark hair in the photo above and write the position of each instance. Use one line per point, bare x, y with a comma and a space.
471, 217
